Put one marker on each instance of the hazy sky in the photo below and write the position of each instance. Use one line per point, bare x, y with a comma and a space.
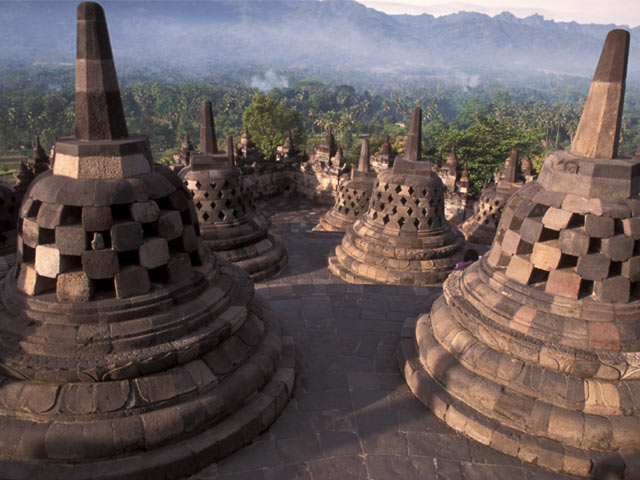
621, 12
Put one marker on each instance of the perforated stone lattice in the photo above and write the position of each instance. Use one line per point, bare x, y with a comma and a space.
352, 201
116, 250
221, 201
406, 208
542, 242
489, 209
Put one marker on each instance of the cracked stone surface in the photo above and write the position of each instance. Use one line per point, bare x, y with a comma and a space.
352, 415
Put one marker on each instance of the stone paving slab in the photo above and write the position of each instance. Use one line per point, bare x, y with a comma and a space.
351, 415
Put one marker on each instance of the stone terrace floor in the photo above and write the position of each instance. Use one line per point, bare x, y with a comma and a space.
351, 416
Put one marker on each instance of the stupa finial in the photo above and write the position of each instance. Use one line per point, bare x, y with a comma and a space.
413, 148
599, 129
98, 109
208, 141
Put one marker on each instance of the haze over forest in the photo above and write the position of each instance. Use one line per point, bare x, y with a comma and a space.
191, 39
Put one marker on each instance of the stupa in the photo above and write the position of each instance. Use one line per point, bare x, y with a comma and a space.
248, 152
321, 175
27, 171
230, 222
456, 188
183, 157
9, 206
481, 226
533, 350
126, 350
354, 195
384, 158
404, 237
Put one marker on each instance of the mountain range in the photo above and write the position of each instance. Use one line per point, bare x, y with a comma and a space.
339, 35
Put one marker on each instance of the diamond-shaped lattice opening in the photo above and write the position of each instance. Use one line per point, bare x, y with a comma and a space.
386, 187
394, 210
411, 190
431, 202
430, 221
375, 215
205, 194
385, 219
227, 204
424, 193
390, 199
225, 184
401, 221
198, 185
379, 195
403, 201
416, 222
221, 215
381, 206
213, 185
410, 211
205, 216
220, 194
346, 211
235, 213
424, 212
198, 205
398, 189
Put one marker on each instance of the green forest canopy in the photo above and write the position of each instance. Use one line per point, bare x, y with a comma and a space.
483, 122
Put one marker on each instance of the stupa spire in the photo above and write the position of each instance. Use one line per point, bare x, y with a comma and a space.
208, 142
599, 129
413, 149
363, 164
99, 112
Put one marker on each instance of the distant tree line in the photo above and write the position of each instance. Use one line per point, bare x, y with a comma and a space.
483, 123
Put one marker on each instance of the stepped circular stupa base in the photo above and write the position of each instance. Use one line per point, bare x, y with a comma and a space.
333, 221
365, 257
215, 374
248, 245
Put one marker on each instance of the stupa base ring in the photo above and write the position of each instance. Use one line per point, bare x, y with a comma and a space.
541, 451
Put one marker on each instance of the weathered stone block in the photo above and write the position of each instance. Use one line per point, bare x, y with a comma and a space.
531, 229
145, 212
50, 262
618, 248
131, 281
599, 227
556, 219
74, 287
546, 255
100, 264
631, 227
565, 283
31, 283
50, 215
631, 269
154, 252
512, 244
615, 289
593, 266
190, 242
126, 236
179, 268
97, 219
170, 224
31, 233
573, 242
520, 270
71, 239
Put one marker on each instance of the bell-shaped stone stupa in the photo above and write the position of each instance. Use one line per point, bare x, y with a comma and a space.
481, 226
230, 222
126, 350
353, 196
403, 238
534, 350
